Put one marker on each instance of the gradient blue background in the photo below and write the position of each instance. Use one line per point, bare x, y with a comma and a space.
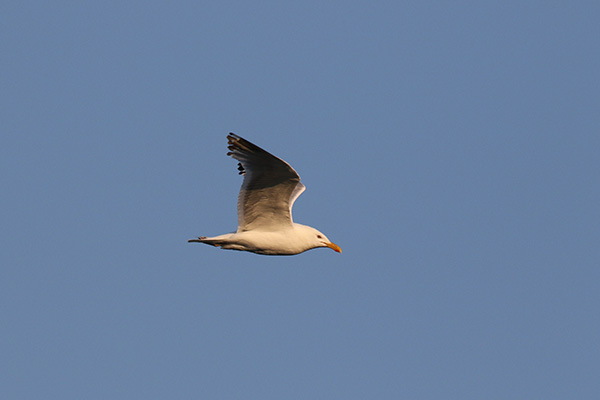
450, 148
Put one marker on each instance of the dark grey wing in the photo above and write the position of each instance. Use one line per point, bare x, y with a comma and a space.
269, 189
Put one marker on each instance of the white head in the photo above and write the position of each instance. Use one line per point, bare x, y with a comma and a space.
316, 239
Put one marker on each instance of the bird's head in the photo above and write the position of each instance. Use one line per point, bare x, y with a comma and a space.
320, 240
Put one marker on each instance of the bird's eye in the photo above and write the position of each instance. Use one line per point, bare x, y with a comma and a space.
320, 237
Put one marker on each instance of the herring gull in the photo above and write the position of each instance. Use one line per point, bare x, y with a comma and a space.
265, 201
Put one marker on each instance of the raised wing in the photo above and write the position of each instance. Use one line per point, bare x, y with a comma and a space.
269, 189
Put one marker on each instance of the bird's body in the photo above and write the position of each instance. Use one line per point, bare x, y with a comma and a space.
265, 201
290, 241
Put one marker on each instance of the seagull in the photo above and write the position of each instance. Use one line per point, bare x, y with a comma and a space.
265, 201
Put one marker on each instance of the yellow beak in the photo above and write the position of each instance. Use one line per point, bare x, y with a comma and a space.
334, 247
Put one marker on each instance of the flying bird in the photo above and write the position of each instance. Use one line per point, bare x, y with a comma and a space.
265, 201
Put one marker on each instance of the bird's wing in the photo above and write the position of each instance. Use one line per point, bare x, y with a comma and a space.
269, 189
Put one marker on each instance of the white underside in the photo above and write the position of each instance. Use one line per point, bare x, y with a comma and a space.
293, 240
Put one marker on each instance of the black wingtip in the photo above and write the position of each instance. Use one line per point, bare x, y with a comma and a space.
241, 169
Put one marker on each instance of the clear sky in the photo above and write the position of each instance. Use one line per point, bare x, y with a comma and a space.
450, 148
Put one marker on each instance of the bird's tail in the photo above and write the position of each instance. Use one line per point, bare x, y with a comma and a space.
213, 241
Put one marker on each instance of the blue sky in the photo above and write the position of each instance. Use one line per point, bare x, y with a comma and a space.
449, 148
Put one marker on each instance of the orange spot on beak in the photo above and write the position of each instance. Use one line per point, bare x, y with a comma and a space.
334, 247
